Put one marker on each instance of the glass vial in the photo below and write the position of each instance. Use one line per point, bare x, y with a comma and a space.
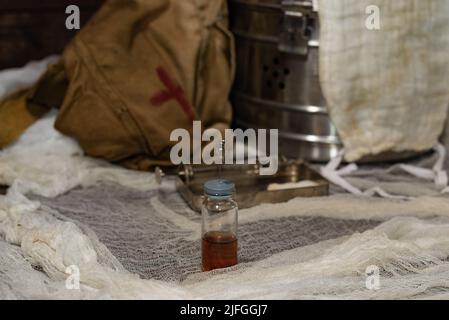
219, 226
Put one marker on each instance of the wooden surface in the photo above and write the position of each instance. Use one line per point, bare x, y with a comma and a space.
31, 29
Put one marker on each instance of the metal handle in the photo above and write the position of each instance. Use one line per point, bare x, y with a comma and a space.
298, 5
159, 175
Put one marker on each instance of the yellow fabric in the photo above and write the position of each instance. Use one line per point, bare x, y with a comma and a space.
15, 118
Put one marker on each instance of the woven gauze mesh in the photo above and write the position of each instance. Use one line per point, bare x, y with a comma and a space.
64, 209
141, 229
306, 248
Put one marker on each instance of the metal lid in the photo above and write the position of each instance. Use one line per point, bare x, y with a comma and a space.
219, 188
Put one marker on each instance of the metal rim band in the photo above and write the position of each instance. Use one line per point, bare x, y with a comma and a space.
269, 39
273, 104
299, 136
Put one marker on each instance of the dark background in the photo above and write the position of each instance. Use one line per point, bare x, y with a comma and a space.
34, 29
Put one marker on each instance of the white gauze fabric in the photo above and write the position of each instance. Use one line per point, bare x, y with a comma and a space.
410, 250
387, 89
21, 78
409, 246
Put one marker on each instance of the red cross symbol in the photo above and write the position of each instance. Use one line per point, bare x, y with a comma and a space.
173, 91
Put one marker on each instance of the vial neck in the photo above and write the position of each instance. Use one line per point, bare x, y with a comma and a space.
218, 198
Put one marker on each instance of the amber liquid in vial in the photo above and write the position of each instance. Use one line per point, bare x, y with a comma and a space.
219, 250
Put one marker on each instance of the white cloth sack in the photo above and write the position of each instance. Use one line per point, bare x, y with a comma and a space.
387, 89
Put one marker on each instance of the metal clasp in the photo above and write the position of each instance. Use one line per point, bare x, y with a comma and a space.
295, 35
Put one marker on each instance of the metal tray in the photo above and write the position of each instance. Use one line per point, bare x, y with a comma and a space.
251, 188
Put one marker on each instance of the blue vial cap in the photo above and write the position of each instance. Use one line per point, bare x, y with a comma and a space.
219, 188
